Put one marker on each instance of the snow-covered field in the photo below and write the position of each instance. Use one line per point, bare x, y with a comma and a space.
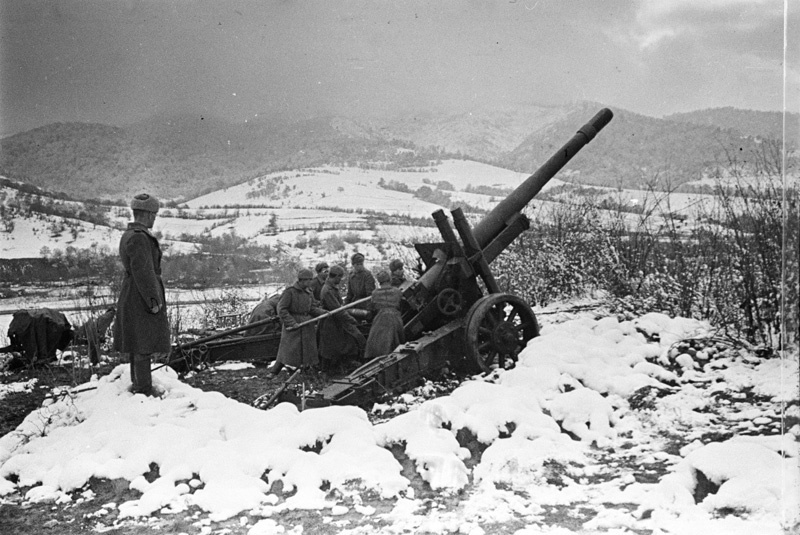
703, 451
296, 203
350, 188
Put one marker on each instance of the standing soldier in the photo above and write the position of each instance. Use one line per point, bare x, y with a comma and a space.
339, 337
319, 280
298, 347
142, 329
360, 284
387, 331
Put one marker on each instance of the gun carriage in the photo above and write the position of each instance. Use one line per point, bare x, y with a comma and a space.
455, 315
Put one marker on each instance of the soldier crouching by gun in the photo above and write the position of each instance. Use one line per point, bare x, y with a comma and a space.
266, 309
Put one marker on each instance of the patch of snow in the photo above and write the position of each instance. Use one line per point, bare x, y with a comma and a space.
541, 427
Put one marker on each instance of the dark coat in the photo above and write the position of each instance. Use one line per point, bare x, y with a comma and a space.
386, 332
339, 336
267, 308
316, 287
360, 284
39, 333
136, 329
298, 347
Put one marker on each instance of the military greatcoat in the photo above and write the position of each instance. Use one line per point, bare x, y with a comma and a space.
316, 287
360, 284
298, 347
137, 330
339, 336
387, 331
267, 308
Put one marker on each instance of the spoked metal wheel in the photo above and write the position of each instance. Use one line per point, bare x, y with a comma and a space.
498, 326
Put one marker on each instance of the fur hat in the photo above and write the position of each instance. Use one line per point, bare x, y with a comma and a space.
357, 258
383, 276
305, 274
336, 271
395, 264
145, 202
319, 267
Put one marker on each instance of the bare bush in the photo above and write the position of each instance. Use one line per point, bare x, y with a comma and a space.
735, 264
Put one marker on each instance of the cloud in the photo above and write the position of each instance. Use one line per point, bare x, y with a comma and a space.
120, 61
731, 24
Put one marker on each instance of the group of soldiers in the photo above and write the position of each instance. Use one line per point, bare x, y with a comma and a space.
141, 329
335, 342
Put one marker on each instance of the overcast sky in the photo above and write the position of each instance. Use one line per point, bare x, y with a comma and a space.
120, 61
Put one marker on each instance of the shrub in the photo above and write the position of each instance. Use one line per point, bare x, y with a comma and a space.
736, 265
334, 244
351, 237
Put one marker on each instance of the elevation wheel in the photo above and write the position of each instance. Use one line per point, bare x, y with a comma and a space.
498, 326
449, 302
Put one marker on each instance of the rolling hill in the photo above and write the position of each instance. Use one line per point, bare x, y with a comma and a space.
184, 156
634, 150
764, 124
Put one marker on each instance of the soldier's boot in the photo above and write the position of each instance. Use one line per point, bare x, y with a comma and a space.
141, 378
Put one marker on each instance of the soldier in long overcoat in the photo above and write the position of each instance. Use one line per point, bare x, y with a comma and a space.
298, 347
339, 337
387, 330
141, 330
360, 283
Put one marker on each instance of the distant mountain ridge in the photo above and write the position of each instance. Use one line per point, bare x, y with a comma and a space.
767, 124
635, 150
177, 157
184, 156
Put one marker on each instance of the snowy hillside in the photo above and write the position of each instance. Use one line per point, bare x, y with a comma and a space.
298, 201
348, 188
277, 208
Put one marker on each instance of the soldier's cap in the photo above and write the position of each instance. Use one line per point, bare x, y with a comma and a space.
336, 271
319, 267
357, 258
305, 274
395, 264
383, 276
145, 202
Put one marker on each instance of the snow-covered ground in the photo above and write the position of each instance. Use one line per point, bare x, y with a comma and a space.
561, 431
302, 200
352, 188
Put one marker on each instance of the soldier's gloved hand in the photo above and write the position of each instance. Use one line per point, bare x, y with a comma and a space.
154, 307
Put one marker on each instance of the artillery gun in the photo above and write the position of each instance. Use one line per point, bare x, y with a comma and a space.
454, 315
452, 320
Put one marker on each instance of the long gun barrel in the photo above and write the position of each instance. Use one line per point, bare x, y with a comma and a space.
201, 341
450, 319
494, 222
